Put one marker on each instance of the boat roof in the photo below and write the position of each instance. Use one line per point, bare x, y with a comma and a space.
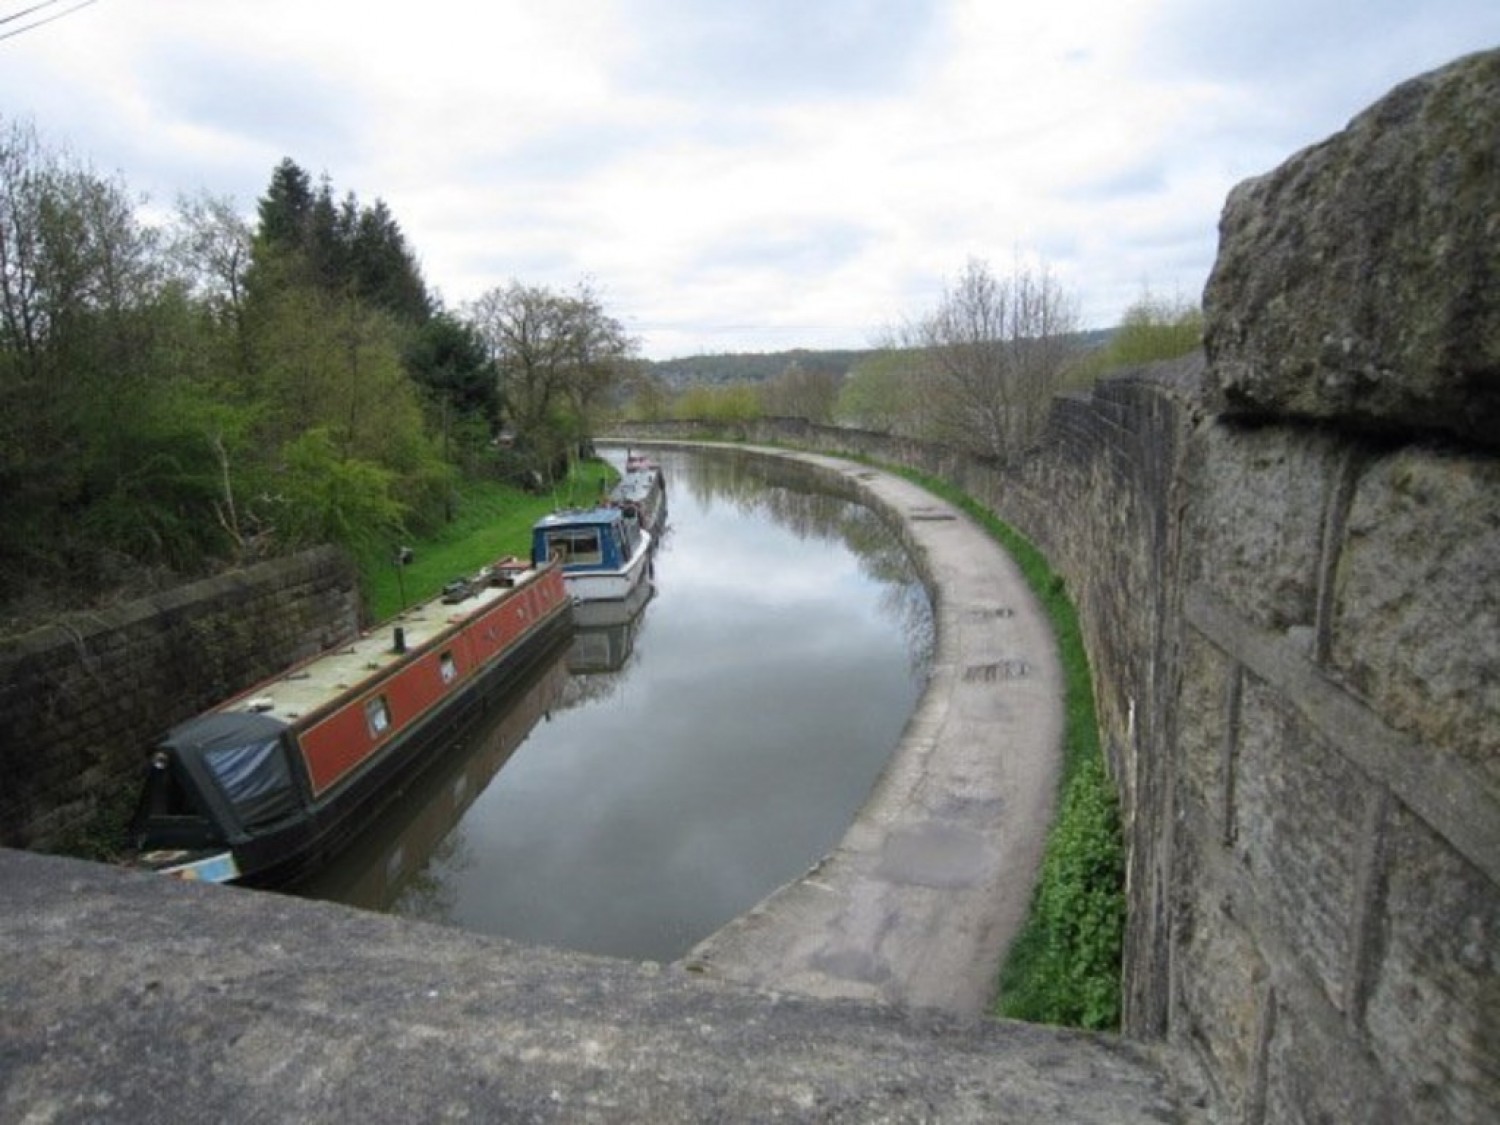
305, 688
224, 729
589, 517
635, 485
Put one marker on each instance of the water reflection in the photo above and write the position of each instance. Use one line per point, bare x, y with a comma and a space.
604, 636
805, 502
391, 859
708, 746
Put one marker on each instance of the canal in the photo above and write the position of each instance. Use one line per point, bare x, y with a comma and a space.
683, 757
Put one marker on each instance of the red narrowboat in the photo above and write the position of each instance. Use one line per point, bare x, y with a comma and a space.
265, 787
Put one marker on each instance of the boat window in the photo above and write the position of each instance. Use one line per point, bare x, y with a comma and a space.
447, 668
377, 715
571, 547
256, 779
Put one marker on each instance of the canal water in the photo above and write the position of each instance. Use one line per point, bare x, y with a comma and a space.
679, 759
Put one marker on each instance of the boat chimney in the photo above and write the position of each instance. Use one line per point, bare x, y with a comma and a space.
398, 643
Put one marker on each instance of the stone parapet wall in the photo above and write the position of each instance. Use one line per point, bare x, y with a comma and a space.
1334, 829
1356, 283
82, 701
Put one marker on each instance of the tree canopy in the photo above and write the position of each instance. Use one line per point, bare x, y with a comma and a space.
177, 397
992, 354
557, 356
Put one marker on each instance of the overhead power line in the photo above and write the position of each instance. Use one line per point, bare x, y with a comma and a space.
24, 12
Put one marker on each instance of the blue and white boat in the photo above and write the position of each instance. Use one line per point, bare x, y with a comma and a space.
604, 556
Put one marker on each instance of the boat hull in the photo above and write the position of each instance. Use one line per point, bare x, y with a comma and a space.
612, 585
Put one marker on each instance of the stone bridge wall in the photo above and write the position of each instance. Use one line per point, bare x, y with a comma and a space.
80, 703
1287, 566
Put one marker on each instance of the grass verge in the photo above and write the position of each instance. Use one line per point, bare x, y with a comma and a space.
1064, 967
493, 520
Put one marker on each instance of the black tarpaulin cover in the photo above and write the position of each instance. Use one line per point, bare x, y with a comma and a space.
244, 755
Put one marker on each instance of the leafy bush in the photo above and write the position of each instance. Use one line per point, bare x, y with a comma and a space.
1152, 330
329, 498
1065, 967
1156, 329
731, 403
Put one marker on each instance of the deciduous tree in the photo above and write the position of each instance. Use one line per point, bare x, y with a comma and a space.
993, 353
800, 393
101, 365
556, 357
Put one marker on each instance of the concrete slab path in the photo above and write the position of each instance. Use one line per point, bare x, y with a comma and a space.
921, 899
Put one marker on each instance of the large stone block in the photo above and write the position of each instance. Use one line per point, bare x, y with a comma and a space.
1359, 283
1298, 812
1416, 616
1220, 988
1204, 706
1316, 1071
1257, 515
1433, 1017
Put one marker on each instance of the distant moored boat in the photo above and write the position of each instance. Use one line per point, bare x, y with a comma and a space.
603, 555
641, 493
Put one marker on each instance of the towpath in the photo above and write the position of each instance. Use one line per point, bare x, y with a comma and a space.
922, 897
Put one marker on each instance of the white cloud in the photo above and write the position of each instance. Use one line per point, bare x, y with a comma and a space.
737, 176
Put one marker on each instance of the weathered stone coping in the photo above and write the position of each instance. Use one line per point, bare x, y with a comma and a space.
130, 997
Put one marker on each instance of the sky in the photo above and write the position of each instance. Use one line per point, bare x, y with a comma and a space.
735, 175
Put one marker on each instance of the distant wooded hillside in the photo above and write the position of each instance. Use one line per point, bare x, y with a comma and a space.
749, 367
758, 367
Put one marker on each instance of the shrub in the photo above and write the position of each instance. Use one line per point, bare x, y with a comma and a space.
1152, 330
1065, 968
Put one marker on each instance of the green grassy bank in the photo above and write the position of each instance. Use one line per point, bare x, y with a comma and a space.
492, 520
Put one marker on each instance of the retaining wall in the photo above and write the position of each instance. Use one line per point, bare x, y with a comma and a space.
82, 702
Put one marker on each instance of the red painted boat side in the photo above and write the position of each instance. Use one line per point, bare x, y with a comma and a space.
335, 745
